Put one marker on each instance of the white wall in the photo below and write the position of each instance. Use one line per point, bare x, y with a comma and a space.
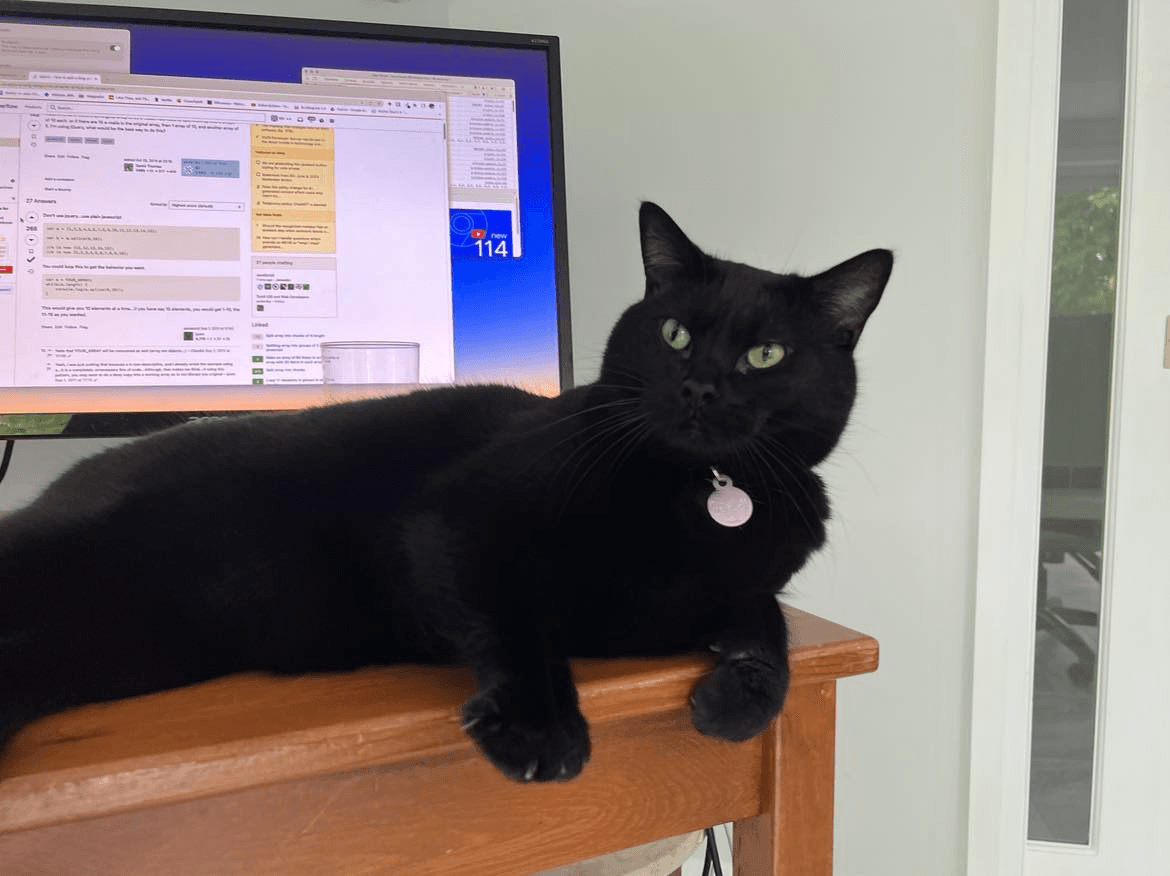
795, 134
792, 135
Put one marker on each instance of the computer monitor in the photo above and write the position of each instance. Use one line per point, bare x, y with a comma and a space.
205, 213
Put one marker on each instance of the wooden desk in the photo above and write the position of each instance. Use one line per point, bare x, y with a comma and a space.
369, 773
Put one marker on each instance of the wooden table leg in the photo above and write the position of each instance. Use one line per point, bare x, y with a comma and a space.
794, 834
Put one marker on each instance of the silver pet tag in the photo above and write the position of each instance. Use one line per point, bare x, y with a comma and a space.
728, 505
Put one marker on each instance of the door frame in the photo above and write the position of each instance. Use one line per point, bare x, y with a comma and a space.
1019, 280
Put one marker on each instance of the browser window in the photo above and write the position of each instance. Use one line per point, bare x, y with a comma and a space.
482, 154
189, 232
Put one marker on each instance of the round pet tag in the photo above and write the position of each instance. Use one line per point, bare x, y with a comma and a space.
728, 505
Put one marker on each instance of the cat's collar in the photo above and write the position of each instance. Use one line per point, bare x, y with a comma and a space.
728, 505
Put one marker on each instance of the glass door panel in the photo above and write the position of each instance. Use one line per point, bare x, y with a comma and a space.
1076, 420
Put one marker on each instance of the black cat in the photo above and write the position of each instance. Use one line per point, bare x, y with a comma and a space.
656, 511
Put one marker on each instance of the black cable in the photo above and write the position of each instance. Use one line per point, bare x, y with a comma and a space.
8, 445
712, 857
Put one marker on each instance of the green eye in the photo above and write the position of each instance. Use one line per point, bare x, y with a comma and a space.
676, 335
765, 355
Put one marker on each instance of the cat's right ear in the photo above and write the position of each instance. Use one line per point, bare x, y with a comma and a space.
666, 251
851, 291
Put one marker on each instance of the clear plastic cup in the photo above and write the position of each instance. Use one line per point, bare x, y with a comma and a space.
369, 362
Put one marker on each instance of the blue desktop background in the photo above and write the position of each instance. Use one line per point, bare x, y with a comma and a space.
505, 310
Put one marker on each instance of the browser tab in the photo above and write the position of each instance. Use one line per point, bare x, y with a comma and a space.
61, 76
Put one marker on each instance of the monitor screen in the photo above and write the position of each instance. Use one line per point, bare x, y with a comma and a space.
212, 213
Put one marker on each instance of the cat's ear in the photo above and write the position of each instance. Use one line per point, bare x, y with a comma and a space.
852, 289
665, 249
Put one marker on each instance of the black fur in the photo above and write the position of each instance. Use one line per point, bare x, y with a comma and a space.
479, 524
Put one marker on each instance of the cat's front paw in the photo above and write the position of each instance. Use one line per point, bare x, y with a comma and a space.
740, 697
524, 746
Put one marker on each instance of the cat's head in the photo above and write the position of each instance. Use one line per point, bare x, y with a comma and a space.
723, 356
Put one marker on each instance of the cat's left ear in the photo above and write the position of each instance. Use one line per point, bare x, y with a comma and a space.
852, 289
665, 249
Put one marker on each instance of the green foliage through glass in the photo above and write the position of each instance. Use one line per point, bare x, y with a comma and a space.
1084, 251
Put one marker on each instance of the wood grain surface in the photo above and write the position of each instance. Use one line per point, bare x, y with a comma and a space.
798, 792
368, 772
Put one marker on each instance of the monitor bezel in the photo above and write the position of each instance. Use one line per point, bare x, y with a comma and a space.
133, 422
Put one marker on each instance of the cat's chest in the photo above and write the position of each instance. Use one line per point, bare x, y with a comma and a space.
654, 573
667, 530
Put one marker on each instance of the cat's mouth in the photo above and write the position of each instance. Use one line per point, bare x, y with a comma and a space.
705, 431
698, 435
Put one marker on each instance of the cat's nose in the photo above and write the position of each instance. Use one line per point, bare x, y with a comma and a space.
698, 393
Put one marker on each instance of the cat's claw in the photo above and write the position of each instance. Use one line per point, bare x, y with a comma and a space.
525, 747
